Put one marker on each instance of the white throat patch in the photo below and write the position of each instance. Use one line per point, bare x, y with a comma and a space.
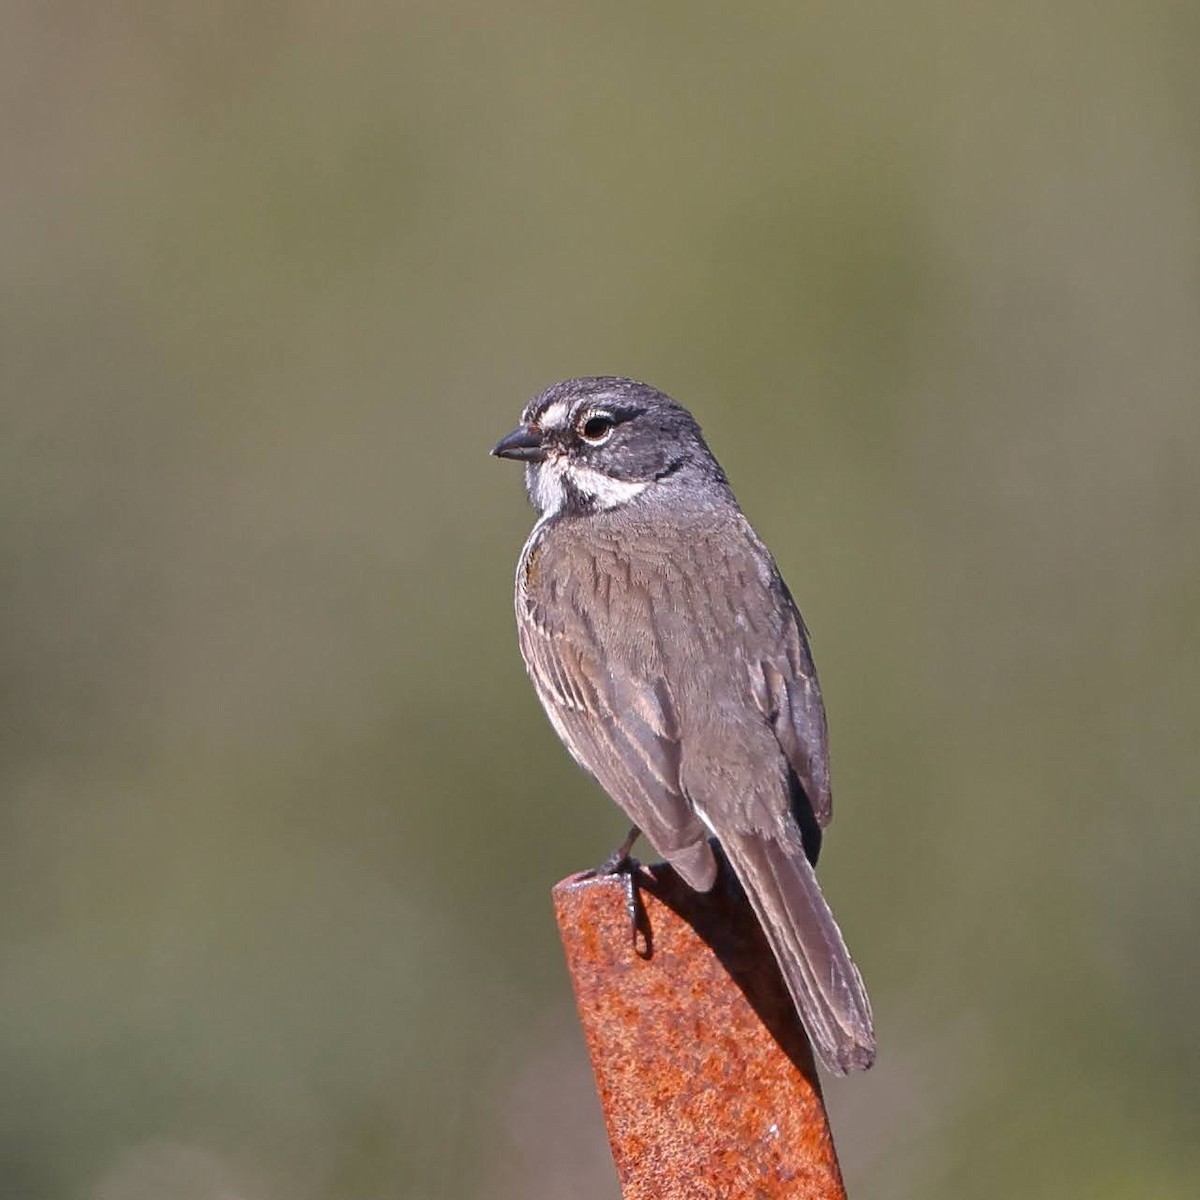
545, 486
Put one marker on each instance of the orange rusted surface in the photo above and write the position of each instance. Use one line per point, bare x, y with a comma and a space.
704, 1070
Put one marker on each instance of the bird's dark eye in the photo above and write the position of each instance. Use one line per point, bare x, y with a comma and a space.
597, 428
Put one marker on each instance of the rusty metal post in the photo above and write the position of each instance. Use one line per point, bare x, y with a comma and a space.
704, 1071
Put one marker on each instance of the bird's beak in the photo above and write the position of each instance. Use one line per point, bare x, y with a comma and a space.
523, 444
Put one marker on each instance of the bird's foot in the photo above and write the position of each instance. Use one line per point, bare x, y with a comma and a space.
621, 862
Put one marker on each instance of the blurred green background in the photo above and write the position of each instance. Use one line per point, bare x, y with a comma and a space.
279, 812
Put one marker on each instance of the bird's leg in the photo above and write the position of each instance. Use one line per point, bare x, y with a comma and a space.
615, 863
620, 862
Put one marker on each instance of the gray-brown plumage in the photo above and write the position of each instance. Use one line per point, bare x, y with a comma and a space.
673, 663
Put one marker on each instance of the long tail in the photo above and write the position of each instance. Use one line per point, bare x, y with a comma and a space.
818, 969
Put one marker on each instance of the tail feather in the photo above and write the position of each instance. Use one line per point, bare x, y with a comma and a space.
820, 974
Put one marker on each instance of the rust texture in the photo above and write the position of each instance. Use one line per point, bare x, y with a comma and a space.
704, 1071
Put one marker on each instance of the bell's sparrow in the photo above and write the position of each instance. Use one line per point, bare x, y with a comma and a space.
672, 661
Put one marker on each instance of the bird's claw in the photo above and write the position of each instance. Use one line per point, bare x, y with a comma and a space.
622, 863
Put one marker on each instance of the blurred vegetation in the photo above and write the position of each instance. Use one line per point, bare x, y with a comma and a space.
279, 811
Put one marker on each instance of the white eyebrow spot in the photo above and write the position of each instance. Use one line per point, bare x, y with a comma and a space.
555, 415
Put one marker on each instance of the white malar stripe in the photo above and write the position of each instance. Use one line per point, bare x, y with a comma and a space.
547, 489
606, 491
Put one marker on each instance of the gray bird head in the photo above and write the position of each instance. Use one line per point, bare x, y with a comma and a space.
603, 441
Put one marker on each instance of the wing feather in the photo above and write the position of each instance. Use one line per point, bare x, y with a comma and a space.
622, 729
783, 684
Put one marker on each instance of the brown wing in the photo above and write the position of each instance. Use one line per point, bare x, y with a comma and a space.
799, 711
770, 638
618, 722
761, 628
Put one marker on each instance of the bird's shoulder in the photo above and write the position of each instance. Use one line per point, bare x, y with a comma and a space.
705, 553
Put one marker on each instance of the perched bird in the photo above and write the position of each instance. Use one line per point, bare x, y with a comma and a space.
672, 661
